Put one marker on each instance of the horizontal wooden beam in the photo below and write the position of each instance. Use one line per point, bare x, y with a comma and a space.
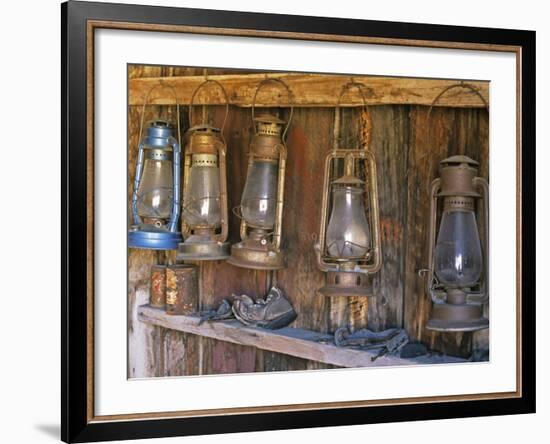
309, 90
289, 341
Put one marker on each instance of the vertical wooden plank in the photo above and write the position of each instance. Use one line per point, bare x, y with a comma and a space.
145, 355
174, 346
477, 147
346, 133
390, 144
186, 352
307, 142
234, 359
217, 278
151, 352
429, 144
181, 350
448, 132
144, 341
220, 279
276, 362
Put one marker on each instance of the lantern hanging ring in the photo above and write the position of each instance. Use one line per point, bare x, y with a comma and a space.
454, 86
348, 86
161, 84
448, 88
361, 88
226, 98
289, 94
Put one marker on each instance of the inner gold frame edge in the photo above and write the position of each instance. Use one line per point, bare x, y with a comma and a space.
97, 24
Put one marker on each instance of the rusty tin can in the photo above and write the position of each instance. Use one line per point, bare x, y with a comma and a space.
157, 294
182, 289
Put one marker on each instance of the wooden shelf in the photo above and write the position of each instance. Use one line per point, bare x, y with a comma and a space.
290, 341
309, 90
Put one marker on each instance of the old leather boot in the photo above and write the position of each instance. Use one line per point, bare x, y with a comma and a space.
272, 312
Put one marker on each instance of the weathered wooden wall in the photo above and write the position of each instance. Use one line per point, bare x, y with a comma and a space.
408, 149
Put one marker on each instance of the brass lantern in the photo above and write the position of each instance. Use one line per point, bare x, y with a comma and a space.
349, 237
457, 259
204, 211
261, 208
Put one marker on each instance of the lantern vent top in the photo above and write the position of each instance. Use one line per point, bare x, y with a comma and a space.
269, 118
158, 131
204, 128
268, 124
459, 159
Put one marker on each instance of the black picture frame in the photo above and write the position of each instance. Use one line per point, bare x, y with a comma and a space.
76, 423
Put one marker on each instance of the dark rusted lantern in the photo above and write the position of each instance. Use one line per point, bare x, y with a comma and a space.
457, 259
261, 208
349, 237
204, 212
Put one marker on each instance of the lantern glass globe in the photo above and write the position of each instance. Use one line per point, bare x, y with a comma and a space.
202, 200
348, 234
458, 256
155, 191
259, 199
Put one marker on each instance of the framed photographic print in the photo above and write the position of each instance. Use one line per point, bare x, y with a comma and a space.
277, 221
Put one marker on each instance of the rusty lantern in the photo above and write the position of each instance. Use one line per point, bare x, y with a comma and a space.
349, 237
457, 261
261, 209
204, 211
156, 195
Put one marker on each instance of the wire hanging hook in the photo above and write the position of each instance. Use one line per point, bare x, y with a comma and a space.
226, 98
161, 84
337, 109
454, 86
353, 84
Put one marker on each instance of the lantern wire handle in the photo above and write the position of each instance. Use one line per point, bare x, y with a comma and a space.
203, 108
226, 98
146, 102
361, 88
444, 91
289, 93
454, 86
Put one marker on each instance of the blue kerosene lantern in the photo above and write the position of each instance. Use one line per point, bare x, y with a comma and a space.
156, 195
